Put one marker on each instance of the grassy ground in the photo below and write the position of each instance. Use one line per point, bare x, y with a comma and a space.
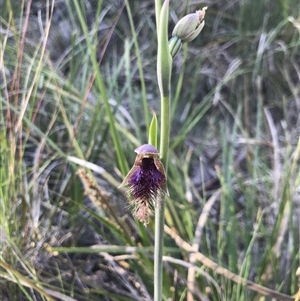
78, 83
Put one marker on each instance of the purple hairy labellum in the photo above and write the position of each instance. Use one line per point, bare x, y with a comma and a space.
147, 182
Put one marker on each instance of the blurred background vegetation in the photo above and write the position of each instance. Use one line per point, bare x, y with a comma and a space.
78, 84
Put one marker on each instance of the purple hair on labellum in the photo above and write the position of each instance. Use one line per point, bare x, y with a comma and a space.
147, 182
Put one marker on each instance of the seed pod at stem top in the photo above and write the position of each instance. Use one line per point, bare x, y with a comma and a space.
189, 27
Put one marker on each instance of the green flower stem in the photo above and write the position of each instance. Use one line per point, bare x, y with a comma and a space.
160, 211
164, 64
165, 130
158, 252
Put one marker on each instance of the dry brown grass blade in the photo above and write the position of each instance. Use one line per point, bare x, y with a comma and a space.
196, 244
226, 273
297, 296
277, 171
16, 277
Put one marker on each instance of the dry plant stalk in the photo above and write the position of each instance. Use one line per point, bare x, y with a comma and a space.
98, 196
297, 295
196, 243
101, 199
224, 272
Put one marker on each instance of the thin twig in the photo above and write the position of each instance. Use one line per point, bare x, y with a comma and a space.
226, 273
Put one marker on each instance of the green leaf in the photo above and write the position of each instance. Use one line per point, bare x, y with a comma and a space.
153, 131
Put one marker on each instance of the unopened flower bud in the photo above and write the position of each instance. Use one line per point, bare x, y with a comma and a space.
189, 27
174, 46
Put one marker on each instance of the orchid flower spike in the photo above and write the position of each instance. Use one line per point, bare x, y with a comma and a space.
147, 182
